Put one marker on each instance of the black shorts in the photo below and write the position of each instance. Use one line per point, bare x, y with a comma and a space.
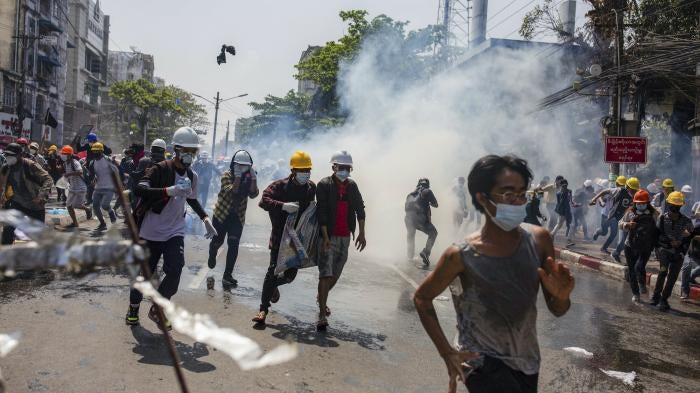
495, 377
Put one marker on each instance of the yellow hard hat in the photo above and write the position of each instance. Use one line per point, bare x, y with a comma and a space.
53, 148
300, 160
668, 183
621, 180
97, 146
676, 198
633, 183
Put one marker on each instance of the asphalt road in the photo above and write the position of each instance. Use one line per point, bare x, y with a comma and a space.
75, 340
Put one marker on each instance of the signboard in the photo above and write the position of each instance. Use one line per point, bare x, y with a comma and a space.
625, 150
8, 122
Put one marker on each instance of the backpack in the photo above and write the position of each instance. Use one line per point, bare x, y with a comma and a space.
413, 202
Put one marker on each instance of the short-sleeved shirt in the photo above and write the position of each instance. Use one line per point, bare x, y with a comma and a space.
342, 229
103, 174
76, 183
171, 220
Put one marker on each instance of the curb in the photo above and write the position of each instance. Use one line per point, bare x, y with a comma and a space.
617, 271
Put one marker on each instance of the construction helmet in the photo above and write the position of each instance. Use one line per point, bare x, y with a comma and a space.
97, 146
341, 157
687, 189
242, 157
91, 137
641, 196
186, 137
53, 148
588, 183
676, 198
633, 183
67, 149
300, 160
34, 145
22, 141
668, 183
204, 155
159, 143
621, 180
13, 149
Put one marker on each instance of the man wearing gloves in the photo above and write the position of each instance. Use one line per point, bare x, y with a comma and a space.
161, 216
281, 198
237, 185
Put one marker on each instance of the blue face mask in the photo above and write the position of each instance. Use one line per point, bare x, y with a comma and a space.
508, 217
342, 175
303, 177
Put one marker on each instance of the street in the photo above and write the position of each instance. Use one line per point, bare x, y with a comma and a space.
75, 340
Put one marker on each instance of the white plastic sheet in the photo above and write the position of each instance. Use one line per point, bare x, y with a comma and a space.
578, 353
244, 351
8, 342
627, 378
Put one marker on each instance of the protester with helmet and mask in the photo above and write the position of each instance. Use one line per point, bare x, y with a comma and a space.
24, 186
35, 156
495, 275
238, 184
675, 231
160, 215
687, 191
205, 171
620, 200
280, 199
76, 185
419, 217
157, 154
633, 185
100, 170
659, 201
340, 210
639, 226
55, 169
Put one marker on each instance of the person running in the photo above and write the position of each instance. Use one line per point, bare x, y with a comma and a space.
460, 210
76, 186
581, 197
101, 169
639, 224
126, 169
55, 169
675, 231
532, 209
659, 201
617, 200
280, 199
418, 217
495, 275
564, 204
550, 197
691, 267
238, 184
633, 186
340, 210
160, 215
24, 186
206, 170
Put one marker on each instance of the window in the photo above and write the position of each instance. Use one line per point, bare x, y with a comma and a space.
57, 7
90, 91
9, 94
40, 106
93, 62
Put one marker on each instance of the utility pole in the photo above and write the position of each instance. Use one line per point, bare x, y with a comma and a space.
228, 125
616, 99
216, 119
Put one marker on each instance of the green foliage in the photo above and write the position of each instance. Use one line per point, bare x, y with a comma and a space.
666, 17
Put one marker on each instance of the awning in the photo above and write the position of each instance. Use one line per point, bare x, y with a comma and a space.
50, 60
48, 24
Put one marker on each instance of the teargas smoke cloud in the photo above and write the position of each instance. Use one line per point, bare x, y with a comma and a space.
401, 130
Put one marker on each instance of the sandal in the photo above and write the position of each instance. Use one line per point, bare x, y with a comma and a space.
260, 318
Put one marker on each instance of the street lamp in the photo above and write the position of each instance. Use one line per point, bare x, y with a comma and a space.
216, 103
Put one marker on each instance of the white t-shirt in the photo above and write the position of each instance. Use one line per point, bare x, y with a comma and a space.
77, 184
171, 221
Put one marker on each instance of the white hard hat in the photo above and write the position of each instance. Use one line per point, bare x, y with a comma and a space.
186, 137
204, 154
687, 188
158, 143
605, 183
341, 157
588, 183
242, 157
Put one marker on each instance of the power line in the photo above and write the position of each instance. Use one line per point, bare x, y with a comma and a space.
510, 16
502, 9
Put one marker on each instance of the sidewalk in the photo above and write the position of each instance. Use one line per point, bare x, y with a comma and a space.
588, 254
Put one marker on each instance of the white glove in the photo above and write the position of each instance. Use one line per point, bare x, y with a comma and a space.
291, 207
211, 231
177, 191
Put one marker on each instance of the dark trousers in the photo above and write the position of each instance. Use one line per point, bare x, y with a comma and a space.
173, 252
670, 264
60, 194
232, 227
605, 225
272, 281
203, 190
637, 267
8, 232
423, 224
495, 377
580, 220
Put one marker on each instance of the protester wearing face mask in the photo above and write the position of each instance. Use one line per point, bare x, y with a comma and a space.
280, 199
238, 184
639, 225
101, 169
564, 204
419, 218
206, 171
675, 231
632, 186
76, 185
56, 170
619, 199
160, 215
24, 186
340, 209
496, 274
36, 157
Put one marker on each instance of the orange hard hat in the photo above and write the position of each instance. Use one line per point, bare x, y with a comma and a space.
641, 196
67, 149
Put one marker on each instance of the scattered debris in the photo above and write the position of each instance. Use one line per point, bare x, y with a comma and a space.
8, 342
579, 353
627, 378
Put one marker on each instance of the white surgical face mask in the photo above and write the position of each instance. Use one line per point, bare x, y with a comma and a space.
239, 169
303, 177
342, 175
33, 151
11, 160
64, 157
508, 217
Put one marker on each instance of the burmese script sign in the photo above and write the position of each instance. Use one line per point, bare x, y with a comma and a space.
625, 150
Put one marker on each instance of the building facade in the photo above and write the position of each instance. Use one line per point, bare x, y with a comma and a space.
86, 67
33, 56
129, 66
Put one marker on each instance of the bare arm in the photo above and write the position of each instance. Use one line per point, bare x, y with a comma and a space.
598, 196
555, 278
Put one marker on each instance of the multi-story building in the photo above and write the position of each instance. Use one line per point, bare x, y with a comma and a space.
129, 66
33, 48
308, 87
87, 66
